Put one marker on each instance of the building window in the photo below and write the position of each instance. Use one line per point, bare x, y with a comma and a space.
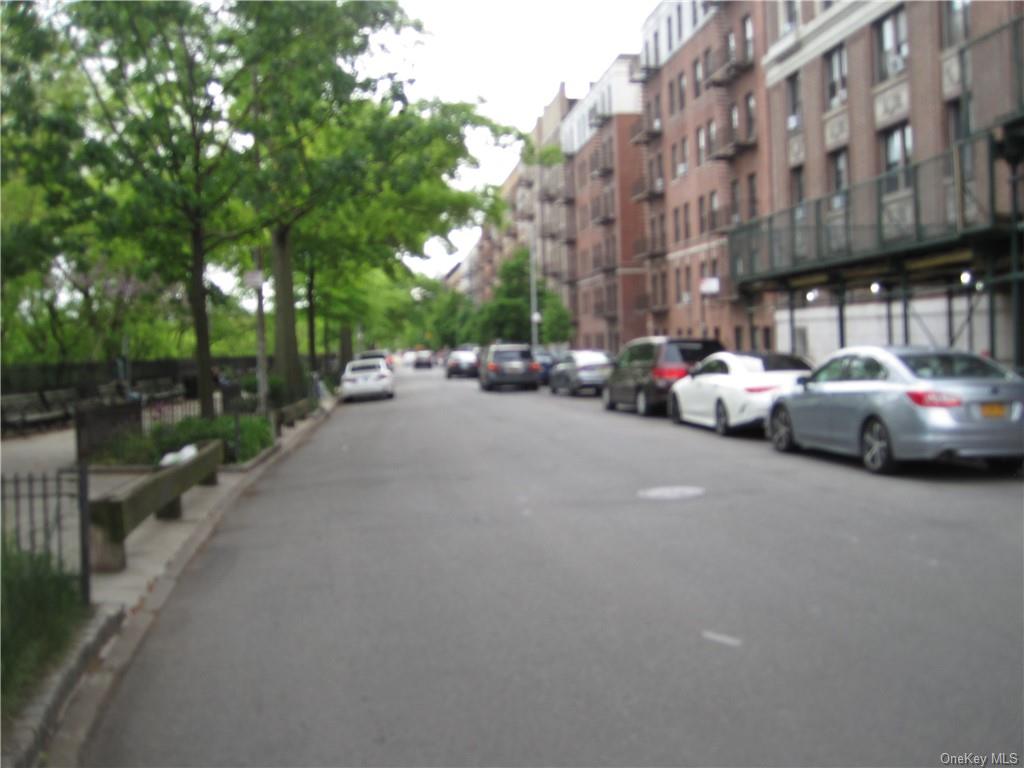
657, 54
657, 108
668, 30
956, 131
682, 91
796, 185
712, 137
751, 116
700, 146
684, 154
676, 230
707, 63
839, 177
679, 285
702, 215
688, 284
671, 99
793, 105
693, 14
734, 122
686, 229
893, 45
739, 337
897, 150
730, 44
790, 16
835, 77
713, 205
748, 38
955, 22
752, 195
675, 164
698, 77
679, 21
734, 201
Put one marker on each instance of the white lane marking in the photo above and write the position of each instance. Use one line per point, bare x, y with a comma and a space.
715, 637
671, 493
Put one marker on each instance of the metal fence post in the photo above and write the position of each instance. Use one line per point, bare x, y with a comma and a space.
84, 532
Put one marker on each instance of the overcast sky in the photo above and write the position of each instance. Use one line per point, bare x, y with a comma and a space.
512, 56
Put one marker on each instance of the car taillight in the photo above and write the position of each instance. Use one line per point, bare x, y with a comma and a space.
492, 366
670, 374
755, 390
535, 367
930, 399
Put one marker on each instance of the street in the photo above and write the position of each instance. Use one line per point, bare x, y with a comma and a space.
466, 578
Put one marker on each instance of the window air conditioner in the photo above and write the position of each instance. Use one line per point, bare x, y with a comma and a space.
659, 184
656, 124
793, 122
894, 63
685, 297
681, 169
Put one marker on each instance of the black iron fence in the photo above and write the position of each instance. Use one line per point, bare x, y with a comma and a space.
47, 513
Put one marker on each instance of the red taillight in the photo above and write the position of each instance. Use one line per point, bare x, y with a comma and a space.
929, 399
535, 367
755, 390
670, 374
492, 366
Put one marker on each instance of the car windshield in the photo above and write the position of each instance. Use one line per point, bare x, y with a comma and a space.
510, 355
953, 365
591, 358
688, 351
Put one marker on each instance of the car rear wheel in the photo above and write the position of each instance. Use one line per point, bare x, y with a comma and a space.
876, 448
674, 411
606, 398
643, 405
1004, 467
721, 419
782, 430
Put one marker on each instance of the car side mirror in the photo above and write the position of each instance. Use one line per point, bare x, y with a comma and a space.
802, 381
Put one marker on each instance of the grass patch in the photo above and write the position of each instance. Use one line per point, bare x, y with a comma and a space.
40, 611
254, 435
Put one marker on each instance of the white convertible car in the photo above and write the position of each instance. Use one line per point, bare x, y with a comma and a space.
729, 390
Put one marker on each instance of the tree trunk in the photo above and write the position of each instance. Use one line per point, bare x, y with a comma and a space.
262, 384
287, 363
197, 302
311, 314
345, 346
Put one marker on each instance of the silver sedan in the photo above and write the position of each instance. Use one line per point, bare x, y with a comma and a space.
891, 404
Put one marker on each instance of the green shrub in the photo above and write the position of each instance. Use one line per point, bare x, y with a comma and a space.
275, 388
40, 610
254, 434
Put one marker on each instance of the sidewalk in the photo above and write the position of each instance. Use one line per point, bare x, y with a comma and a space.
126, 602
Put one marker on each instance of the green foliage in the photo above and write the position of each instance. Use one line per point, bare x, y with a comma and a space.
253, 431
275, 388
40, 610
556, 326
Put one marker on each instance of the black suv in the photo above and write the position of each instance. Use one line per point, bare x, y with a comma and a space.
648, 367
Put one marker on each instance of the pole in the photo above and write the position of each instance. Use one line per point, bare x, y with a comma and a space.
1015, 298
262, 387
84, 525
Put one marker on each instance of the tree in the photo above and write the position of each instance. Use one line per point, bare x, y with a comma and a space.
507, 315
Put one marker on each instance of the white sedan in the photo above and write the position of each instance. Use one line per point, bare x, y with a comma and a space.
367, 378
729, 390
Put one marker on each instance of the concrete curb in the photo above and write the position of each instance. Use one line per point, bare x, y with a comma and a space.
87, 691
29, 733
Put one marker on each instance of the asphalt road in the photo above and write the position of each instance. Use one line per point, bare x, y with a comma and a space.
463, 578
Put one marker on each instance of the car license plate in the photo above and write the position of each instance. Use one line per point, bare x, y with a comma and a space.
994, 410
515, 367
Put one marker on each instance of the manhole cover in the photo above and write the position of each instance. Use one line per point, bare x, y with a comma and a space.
671, 493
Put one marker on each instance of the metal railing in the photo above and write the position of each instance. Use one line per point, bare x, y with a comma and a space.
48, 514
936, 200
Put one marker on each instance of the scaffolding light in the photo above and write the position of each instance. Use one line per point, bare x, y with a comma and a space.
965, 277
876, 288
812, 294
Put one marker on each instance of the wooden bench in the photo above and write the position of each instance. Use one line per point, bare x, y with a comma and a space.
113, 517
62, 399
29, 411
157, 390
289, 414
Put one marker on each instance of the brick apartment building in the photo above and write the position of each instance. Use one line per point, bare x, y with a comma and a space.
797, 175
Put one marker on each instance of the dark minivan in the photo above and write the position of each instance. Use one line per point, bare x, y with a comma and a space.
647, 368
508, 364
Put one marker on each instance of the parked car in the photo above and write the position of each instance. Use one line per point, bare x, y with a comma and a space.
424, 359
647, 367
509, 364
367, 378
383, 354
732, 390
581, 369
892, 404
462, 362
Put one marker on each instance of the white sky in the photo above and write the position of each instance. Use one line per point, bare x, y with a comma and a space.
512, 56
